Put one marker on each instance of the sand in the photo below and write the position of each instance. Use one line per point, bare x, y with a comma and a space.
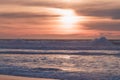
7, 77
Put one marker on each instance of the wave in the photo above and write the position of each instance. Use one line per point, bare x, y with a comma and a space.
82, 52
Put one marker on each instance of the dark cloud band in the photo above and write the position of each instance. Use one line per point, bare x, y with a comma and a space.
25, 15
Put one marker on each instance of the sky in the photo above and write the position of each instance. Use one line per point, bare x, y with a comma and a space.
59, 19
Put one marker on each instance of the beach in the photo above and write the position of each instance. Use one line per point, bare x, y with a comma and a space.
7, 77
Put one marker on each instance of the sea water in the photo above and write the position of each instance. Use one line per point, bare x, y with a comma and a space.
62, 60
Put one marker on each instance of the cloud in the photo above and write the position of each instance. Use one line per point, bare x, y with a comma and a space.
106, 9
102, 8
102, 25
41, 16
24, 15
46, 3
53, 4
105, 13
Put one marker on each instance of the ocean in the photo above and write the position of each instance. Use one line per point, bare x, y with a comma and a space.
60, 59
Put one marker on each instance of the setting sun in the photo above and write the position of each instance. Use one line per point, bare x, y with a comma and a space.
69, 20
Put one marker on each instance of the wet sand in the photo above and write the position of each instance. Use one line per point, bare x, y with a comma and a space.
7, 77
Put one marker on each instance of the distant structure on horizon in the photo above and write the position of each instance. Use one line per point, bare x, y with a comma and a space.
102, 41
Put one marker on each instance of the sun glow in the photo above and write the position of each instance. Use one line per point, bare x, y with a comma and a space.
68, 19
69, 22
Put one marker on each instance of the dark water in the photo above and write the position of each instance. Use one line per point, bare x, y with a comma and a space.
63, 60
63, 67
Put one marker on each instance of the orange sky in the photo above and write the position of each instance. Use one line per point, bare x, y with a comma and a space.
64, 19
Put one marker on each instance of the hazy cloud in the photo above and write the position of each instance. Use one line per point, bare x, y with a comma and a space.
41, 16
99, 8
110, 9
110, 13
25, 15
103, 25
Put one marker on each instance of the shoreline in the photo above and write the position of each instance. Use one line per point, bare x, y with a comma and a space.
81, 53
9, 77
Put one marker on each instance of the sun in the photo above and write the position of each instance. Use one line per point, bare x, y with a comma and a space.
68, 19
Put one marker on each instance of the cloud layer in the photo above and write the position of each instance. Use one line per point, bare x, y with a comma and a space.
42, 17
